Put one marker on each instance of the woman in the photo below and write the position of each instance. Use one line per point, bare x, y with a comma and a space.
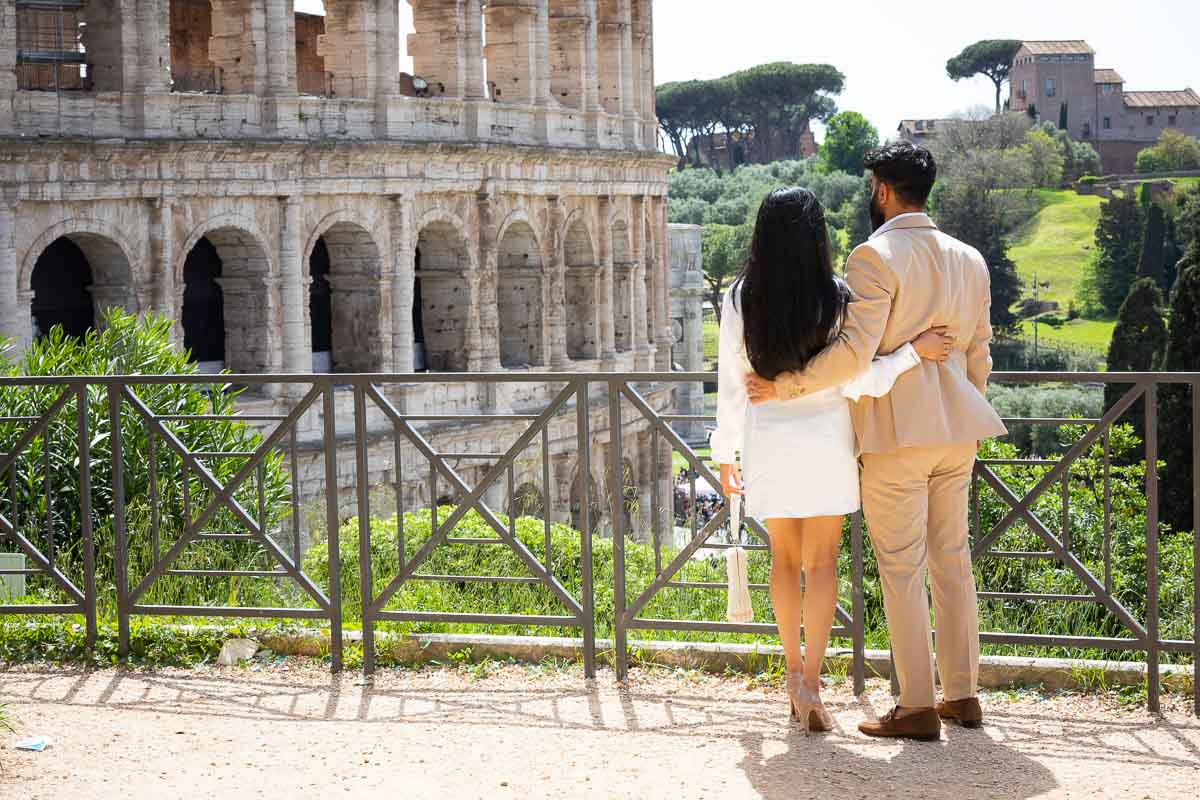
798, 457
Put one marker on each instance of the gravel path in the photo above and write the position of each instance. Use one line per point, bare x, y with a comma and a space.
291, 731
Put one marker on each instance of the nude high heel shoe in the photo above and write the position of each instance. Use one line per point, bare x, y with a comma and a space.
807, 707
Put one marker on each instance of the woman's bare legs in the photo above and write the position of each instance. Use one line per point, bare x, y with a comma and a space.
820, 541
787, 560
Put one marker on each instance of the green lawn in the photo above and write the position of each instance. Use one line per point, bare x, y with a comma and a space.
1084, 333
712, 338
1057, 243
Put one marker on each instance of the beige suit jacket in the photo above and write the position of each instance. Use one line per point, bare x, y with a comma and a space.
907, 278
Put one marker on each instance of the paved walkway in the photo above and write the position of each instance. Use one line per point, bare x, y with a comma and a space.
291, 731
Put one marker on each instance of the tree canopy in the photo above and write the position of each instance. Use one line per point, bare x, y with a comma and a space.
848, 138
990, 57
770, 103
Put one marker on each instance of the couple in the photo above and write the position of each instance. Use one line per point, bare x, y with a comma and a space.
888, 374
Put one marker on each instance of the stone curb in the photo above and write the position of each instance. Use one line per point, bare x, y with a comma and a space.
995, 672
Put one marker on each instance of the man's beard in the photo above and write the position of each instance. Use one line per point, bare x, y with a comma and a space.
877, 217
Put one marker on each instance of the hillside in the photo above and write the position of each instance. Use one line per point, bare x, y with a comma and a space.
1056, 246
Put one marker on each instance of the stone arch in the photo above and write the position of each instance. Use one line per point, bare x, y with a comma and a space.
345, 306
441, 293
74, 271
582, 291
623, 275
239, 263
519, 284
527, 501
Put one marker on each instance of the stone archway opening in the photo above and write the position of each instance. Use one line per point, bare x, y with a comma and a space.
519, 297
528, 501
232, 302
345, 305
203, 315
582, 291
623, 272
441, 299
75, 280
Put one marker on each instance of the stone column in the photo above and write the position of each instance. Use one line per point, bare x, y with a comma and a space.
511, 49
472, 50
162, 264
387, 62
281, 108
297, 348
649, 110
641, 304
628, 109
485, 305
9, 315
238, 47
554, 296
607, 304
404, 267
662, 301
8, 71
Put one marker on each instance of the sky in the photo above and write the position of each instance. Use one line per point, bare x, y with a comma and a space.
894, 53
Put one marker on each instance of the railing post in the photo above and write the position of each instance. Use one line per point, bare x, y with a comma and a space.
120, 556
582, 424
85, 513
329, 413
363, 477
1196, 547
616, 490
1152, 646
858, 608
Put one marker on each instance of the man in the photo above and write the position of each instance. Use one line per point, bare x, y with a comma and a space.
918, 443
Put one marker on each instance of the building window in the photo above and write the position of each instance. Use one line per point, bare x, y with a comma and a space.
1149, 119
1171, 119
920, 125
1022, 87
1087, 130
1108, 123
1051, 89
1108, 88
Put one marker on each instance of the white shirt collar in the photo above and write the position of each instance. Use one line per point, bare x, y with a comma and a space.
887, 226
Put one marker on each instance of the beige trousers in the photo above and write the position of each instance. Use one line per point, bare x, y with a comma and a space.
916, 505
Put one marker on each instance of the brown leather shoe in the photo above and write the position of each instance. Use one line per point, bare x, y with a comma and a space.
967, 712
922, 725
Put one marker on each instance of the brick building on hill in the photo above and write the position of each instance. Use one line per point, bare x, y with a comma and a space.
1059, 81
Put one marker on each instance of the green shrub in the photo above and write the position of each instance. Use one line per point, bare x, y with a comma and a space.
128, 345
1060, 402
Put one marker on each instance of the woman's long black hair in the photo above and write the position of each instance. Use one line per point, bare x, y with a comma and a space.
790, 301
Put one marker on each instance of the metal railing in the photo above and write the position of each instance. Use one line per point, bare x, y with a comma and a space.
198, 502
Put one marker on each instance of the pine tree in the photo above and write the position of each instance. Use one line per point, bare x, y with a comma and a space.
1137, 344
1175, 417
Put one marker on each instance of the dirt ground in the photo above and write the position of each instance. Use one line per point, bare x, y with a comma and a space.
293, 731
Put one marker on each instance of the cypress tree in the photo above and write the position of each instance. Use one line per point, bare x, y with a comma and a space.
1137, 344
1118, 245
1151, 260
1175, 417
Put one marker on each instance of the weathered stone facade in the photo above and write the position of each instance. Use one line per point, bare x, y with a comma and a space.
287, 221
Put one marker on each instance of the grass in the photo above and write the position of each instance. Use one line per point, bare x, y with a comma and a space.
1088, 334
1057, 243
712, 338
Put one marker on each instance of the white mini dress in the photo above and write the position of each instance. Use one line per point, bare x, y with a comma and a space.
799, 457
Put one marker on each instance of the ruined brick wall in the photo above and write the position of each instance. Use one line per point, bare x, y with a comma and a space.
310, 67
191, 28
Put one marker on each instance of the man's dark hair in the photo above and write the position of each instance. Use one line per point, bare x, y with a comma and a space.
908, 168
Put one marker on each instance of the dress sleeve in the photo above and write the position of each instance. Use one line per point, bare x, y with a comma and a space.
732, 399
881, 376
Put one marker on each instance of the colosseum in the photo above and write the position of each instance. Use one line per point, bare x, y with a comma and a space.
278, 186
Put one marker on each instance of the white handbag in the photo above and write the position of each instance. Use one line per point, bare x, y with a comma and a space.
737, 568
